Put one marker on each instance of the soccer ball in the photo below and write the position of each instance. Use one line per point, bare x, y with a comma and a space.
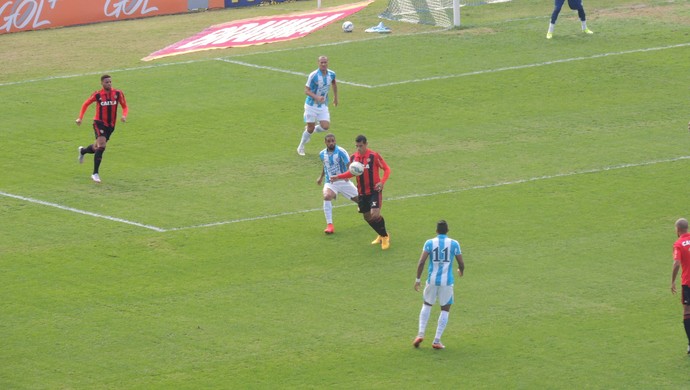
356, 168
348, 26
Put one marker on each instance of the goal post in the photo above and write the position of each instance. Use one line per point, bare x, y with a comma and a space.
442, 13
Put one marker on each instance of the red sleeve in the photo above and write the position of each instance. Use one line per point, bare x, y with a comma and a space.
385, 167
123, 103
345, 175
86, 105
676, 253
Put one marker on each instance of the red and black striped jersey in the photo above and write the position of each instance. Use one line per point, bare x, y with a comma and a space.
373, 163
106, 106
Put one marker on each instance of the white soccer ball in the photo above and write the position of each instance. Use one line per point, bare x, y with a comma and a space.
348, 26
356, 168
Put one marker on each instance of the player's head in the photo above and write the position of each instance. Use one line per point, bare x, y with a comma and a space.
323, 62
681, 226
442, 227
106, 82
330, 141
361, 144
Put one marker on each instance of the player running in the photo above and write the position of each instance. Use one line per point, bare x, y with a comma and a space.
107, 100
316, 103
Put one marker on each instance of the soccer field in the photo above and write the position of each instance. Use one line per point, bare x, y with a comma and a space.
200, 261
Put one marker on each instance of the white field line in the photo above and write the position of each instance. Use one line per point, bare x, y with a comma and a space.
72, 209
71, 76
144, 67
450, 191
402, 197
546, 177
284, 71
478, 72
474, 73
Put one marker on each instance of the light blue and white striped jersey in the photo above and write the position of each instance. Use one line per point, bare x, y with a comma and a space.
334, 163
319, 85
442, 251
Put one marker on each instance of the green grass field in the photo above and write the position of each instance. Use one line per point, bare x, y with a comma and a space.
200, 261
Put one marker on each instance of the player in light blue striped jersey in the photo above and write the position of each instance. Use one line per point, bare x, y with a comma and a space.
440, 251
335, 161
316, 104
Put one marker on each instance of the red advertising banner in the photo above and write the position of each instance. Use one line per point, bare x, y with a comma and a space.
22, 15
248, 32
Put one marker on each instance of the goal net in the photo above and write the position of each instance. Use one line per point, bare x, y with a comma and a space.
443, 13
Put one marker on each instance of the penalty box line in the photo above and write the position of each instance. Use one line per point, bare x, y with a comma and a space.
466, 74
450, 191
288, 213
78, 211
356, 84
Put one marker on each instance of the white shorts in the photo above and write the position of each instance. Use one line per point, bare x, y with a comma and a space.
344, 187
312, 114
443, 293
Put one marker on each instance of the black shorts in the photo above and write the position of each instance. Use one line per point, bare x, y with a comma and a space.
368, 202
685, 295
101, 130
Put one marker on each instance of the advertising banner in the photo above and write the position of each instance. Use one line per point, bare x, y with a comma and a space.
22, 15
258, 31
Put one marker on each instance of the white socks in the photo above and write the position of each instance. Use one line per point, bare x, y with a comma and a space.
319, 129
584, 25
551, 27
328, 210
306, 137
423, 319
442, 321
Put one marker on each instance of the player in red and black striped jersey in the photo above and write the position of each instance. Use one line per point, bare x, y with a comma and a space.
107, 100
681, 262
370, 186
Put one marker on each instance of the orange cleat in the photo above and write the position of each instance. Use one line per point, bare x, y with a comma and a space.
329, 229
376, 241
417, 341
385, 242
438, 346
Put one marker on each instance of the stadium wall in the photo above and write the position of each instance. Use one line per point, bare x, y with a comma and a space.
26, 15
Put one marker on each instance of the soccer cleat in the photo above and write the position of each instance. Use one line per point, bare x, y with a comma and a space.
96, 178
300, 150
81, 155
329, 229
417, 341
385, 242
588, 31
379, 28
549, 35
376, 241
438, 346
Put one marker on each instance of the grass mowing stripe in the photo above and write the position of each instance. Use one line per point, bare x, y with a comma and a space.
402, 197
419, 80
478, 72
450, 191
225, 58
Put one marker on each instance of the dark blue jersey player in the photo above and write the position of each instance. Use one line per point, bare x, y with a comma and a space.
573, 4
